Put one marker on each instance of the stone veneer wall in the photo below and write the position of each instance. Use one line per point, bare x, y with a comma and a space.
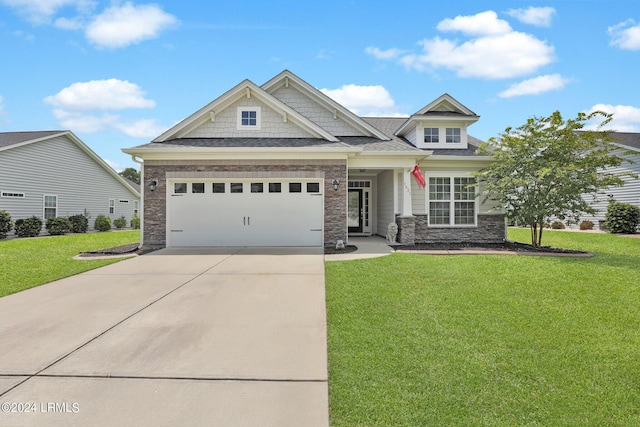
491, 229
335, 202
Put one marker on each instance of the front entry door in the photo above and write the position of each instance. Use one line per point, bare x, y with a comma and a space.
355, 211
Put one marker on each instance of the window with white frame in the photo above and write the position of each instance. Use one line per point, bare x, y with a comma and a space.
12, 194
453, 135
112, 206
452, 201
136, 207
431, 135
249, 118
50, 206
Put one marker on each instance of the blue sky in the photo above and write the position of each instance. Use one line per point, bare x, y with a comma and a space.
119, 73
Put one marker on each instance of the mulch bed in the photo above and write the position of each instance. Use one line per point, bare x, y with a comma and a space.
502, 246
442, 246
118, 250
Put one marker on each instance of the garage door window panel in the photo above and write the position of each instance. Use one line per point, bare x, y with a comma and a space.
218, 187
180, 188
295, 187
236, 187
275, 187
197, 188
257, 187
313, 187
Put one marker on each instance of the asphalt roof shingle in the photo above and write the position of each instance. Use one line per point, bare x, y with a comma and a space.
12, 138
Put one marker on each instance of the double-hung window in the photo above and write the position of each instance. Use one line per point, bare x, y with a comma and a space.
50, 206
452, 201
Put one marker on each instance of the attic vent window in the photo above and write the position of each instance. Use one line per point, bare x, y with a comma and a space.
248, 118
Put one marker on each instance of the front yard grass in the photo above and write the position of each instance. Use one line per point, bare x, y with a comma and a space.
492, 340
29, 262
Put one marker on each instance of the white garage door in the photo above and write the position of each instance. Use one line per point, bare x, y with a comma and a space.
256, 212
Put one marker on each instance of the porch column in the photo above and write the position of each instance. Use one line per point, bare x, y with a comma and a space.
406, 193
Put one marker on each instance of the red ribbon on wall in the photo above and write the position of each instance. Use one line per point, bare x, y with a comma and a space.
418, 176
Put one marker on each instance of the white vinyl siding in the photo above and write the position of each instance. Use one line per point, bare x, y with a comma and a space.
385, 201
57, 166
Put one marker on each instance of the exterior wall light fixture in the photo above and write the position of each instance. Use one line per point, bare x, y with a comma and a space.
336, 184
153, 184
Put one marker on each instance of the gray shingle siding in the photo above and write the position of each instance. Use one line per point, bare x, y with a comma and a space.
57, 166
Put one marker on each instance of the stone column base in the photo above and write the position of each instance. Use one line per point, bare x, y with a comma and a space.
406, 230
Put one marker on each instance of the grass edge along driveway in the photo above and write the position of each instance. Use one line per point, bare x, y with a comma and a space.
29, 262
419, 340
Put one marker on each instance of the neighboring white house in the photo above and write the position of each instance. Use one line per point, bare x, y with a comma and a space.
283, 164
53, 173
630, 192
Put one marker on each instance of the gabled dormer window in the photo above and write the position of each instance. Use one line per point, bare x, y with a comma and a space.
249, 118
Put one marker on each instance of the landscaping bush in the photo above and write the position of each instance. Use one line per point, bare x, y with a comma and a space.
102, 223
557, 225
79, 223
5, 224
622, 217
586, 225
58, 226
135, 222
29, 227
120, 222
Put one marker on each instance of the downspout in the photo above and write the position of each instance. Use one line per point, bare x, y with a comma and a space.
141, 207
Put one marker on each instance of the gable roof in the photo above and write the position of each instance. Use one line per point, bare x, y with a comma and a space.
12, 140
286, 78
445, 107
245, 88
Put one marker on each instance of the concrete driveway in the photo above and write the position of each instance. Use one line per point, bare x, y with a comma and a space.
215, 337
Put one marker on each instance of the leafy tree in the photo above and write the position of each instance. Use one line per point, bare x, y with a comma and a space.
131, 174
542, 168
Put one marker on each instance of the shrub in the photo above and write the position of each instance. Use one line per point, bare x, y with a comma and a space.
58, 226
102, 223
5, 224
557, 225
29, 227
120, 222
135, 222
586, 225
79, 223
622, 217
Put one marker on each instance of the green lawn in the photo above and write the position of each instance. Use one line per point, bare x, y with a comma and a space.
419, 340
29, 262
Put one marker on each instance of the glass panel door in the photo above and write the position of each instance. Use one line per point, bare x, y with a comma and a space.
354, 220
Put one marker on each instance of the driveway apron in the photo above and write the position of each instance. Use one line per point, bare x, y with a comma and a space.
228, 336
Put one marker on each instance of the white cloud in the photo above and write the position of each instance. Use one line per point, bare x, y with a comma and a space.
495, 51
481, 24
535, 86
69, 23
364, 100
87, 107
111, 94
126, 24
42, 11
538, 16
383, 54
626, 118
146, 128
625, 35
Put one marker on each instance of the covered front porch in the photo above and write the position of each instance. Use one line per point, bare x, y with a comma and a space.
380, 195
